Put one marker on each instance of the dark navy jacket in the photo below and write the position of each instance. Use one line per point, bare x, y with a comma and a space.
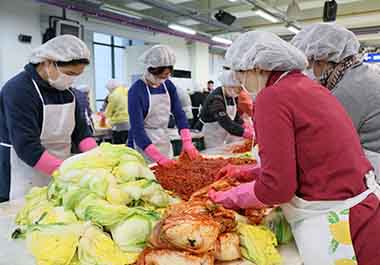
138, 107
21, 114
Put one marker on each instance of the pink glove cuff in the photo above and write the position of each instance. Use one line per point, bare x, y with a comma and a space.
246, 125
153, 152
87, 144
48, 163
254, 170
242, 196
248, 133
245, 196
185, 136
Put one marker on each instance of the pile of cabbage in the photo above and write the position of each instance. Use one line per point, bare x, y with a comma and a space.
100, 208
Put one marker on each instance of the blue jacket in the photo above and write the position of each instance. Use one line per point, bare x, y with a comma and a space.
138, 107
21, 114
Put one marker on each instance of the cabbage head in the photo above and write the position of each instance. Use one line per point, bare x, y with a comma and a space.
53, 244
131, 235
97, 248
258, 245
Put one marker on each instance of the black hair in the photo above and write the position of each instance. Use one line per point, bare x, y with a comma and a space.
160, 70
210, 82
73, 62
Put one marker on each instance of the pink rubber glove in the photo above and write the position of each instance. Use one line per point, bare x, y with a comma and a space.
246, 125
155, 154
243, 173
87, 144
187, 145
248, 133
48, 163
240, 197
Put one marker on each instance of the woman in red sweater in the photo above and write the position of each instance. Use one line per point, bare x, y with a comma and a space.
312, 164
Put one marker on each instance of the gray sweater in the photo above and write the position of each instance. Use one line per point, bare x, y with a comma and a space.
359, 92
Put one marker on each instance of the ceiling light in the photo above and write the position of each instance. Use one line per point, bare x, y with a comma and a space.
293, 29
233, 1
138, 6
118, 11
188, 22
182, 29
293, 10
243, 14
221, 40
267, 16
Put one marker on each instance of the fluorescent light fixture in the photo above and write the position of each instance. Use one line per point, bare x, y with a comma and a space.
118, 11
182, 29
267, 16
189, 22
243, 14
293, 29
221, 40
138, 6
233, 1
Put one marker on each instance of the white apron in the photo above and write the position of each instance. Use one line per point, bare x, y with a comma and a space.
214, 134
374, 158
156, 122
321, 228
57, 126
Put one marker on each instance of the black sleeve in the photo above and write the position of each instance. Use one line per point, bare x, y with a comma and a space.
215, 109
238, 119
22, 110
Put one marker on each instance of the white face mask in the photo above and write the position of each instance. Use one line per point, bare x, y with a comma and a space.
63, 82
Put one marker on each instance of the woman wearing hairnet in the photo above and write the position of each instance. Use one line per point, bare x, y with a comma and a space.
333, 54
150, 102
39, 118
222, 123
117, 111
312, 163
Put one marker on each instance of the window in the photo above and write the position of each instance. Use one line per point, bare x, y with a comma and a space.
109, 62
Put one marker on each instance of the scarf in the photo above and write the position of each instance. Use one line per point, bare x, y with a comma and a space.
331, 77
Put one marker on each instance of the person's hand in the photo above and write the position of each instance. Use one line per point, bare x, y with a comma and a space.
166, 162
190, 150
240, 197
246, 125
243, 173
187, 145
155, 154
249, 133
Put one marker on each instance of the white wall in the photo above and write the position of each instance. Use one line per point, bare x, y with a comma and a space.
17, 17
216, 66
200, 64
31, 18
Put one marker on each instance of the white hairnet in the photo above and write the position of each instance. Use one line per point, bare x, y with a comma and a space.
227, 78
325, 41
83, 88
112, 84
158, 56
63, 48
265, 51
